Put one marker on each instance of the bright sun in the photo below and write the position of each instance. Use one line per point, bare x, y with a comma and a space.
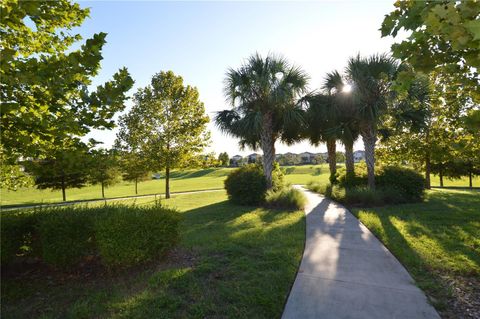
347, 88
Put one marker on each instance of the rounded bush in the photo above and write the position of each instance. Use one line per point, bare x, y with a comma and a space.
406, 181
126, 237
246, 185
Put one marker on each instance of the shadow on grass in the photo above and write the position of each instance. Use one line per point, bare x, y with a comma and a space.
435, 240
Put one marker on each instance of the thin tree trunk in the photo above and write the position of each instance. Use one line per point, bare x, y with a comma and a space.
349, 163
64, 195
136, 187
470, 179
441, 178
268, 148
427, 170
103, 190
369, 140
332, 160
167, 181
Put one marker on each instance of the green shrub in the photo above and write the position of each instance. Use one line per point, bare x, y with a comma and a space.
18, 234
122, 235
247, 185
289, 198
126, 237
66, 235
408, 182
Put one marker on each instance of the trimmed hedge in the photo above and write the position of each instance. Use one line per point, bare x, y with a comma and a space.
66, 236
247, 185
120, 235
127, 237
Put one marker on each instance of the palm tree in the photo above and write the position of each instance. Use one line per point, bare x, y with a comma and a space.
322, 125
371, 78
264, 95
345, 118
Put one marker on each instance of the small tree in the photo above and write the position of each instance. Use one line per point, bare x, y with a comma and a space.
224, 159
167, 124
64, 168
134, 167
104, 169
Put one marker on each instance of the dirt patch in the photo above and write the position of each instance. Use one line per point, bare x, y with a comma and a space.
465, 298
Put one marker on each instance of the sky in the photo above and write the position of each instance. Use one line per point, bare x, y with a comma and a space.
201, 40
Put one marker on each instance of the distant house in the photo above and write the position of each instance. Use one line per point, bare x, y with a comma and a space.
252, 158
358, 156
236, 160
307, 157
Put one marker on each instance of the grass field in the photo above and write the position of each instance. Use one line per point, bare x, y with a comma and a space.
189, 180
438, 241
232, 261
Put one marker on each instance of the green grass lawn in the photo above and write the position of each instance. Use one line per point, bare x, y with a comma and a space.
232, 261
438, 241
189, 180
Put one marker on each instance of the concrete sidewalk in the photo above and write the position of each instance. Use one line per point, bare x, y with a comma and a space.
346, 272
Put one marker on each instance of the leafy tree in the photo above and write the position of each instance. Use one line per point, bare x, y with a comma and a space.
264, 95
224, 159
64, 168
135, 168
13, 176
432, 143
340, 157
444, 37
167, 124
44, 81
208, 160
104, 168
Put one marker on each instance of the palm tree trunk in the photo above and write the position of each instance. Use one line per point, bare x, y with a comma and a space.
349, 164
268, 147
332, 160
369, 139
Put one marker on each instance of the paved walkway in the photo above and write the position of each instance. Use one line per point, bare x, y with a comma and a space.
346, 272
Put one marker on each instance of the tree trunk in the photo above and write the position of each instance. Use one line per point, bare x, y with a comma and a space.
268, 148
136, 187
167, 181
369, 140
441, 178
470, 179
427, 171
349, 164
64, 195
103, 190
332, 157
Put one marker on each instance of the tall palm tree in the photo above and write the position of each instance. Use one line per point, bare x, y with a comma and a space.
264, 95
345, 119
322, 125
371, 78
